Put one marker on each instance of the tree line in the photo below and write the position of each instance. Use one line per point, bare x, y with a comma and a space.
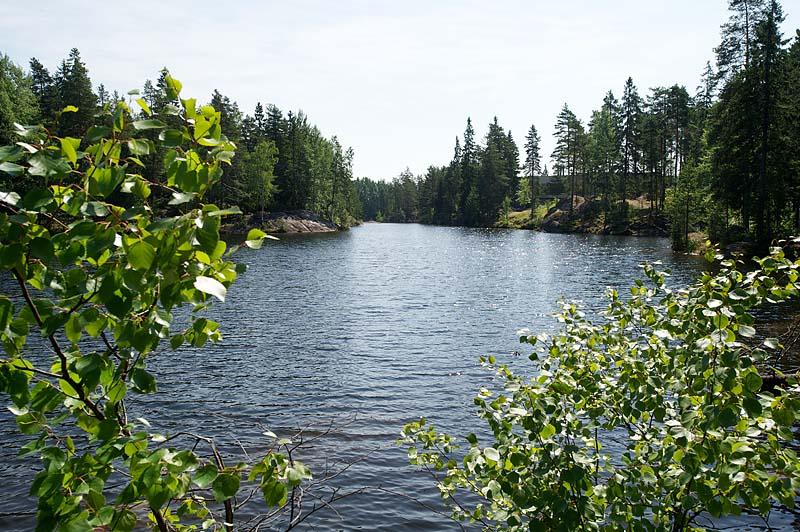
479, 180
722, 160
283, 162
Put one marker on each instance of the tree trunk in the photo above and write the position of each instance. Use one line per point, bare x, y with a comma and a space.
763, 232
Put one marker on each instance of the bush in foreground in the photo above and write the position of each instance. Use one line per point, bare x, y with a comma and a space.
97, 278
652, 418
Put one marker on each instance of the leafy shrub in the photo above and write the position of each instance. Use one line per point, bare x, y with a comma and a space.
653, 418
98, 277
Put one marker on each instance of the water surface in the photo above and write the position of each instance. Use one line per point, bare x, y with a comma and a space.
373, 327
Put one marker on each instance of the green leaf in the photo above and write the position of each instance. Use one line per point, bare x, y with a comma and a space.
274, 492
746, 331
492, 454
123, 520
139, 146
190, 106
36, 198
143, 104
208, 234
727, 417
12, 169
46, 164
174, 87
211, 286
9, 198
179, 198
784, 415
144, 381
772, 343
42, 248
103, 181
294, 476
205, 475
752, 406
6, 312
149, 124
225, 486
68, 149
255, 237
752, 382
96, 133
10, 153
10, 255
117, 391
548, 431
171, 137
141, 255
176, 341
95, 209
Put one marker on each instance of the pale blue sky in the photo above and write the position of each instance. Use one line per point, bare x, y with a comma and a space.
394, 80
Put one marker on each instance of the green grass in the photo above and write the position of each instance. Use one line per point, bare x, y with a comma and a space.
523, 219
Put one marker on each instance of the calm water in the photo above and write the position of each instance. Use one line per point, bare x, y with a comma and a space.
372, 328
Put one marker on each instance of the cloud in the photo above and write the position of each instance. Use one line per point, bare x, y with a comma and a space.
396, 80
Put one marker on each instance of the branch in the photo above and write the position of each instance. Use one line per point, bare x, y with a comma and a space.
57, 348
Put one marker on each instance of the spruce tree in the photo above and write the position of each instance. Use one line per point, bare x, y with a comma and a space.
46, 93
75, 89
470, 207
533, 164
631, 112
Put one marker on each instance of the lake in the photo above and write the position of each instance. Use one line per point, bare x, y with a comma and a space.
369, 329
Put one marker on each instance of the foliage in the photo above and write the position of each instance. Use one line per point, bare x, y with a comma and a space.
17, 100
98, 277
285, 162
652, 418
469, 191
739, 128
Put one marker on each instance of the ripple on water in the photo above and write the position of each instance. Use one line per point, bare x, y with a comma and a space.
378, 325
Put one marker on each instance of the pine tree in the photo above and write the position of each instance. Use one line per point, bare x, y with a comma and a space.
75, 88
260, 119
533, 166
631, 112
103, 97
604, 146
749, 152
738, 36
46, 93
512, 166
789, 100
568, 131
494, 179
470, 207
452, 185
767, 59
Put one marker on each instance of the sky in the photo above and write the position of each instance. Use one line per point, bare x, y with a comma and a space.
394, 80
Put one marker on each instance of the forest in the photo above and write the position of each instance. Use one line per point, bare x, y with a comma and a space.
284, 163
721, 160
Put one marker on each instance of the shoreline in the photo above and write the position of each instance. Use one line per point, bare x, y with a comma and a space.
283, 222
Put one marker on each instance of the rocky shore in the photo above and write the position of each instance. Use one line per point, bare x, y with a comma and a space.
283, 222
587, 216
